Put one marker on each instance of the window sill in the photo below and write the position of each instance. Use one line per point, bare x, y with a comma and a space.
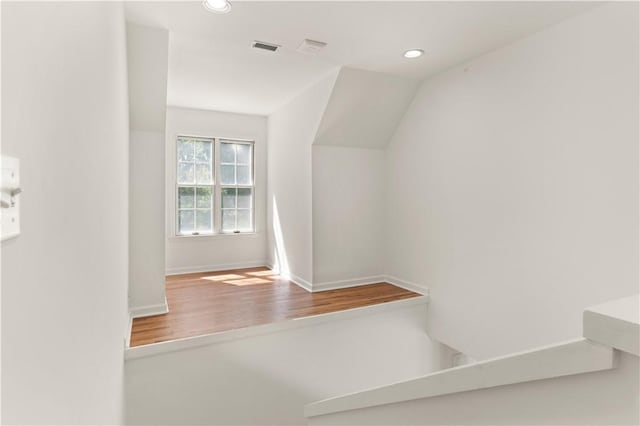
214, 236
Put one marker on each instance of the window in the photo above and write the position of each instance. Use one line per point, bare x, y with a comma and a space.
211, 169
236, 180
195, 186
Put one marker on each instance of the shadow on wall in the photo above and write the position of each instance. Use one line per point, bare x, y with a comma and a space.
281, 264
214, 385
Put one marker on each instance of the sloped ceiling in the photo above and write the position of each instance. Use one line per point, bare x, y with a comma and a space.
212, 65
364, 109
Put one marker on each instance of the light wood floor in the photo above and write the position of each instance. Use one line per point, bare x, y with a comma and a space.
210, 302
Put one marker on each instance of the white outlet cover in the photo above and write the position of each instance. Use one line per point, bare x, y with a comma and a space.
10, 180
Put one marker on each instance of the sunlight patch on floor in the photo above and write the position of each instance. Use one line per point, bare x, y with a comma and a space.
248, 281
223, 277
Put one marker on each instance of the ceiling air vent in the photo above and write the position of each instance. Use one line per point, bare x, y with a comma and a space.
265, 46
311, 46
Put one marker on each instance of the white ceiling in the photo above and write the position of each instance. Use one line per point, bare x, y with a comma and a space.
212, 65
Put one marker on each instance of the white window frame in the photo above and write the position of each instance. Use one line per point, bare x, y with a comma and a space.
220, 187
217, 187
195, 185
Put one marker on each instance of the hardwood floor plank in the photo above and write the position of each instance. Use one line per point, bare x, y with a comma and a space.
210, 302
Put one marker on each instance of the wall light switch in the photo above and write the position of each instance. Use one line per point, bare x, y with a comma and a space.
9, 198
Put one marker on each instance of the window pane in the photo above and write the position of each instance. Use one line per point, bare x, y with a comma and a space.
228, 198
203, 220
228, 220
244, 153
203, 151
185, 198
227, 153
185, 221
244, 220
185, 173
244, 175
203, 198
185, 149
227, 175
244, 198
203, 173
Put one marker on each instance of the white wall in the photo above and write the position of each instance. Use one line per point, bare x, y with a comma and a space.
64, 279
291, 130
513, 185
146, 223
206, 253
147, 56
268, 379
348, 214
147, 60
607, 397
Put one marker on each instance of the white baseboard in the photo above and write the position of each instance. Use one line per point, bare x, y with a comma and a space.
127, 339
149, 310
271, 266
407, 285
354, 282
307, 285
299, 282
214, 268
141, 312
302, 283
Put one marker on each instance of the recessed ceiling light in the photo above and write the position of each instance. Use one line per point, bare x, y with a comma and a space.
217, 6
413, 53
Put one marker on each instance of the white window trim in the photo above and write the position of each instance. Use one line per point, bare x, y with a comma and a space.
195, 186
217, 189
220, 187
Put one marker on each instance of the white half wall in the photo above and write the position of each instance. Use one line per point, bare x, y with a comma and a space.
348, 214
216, 252
268, 379
608, 397
292, 130
147, 58
513, 185
64, 279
